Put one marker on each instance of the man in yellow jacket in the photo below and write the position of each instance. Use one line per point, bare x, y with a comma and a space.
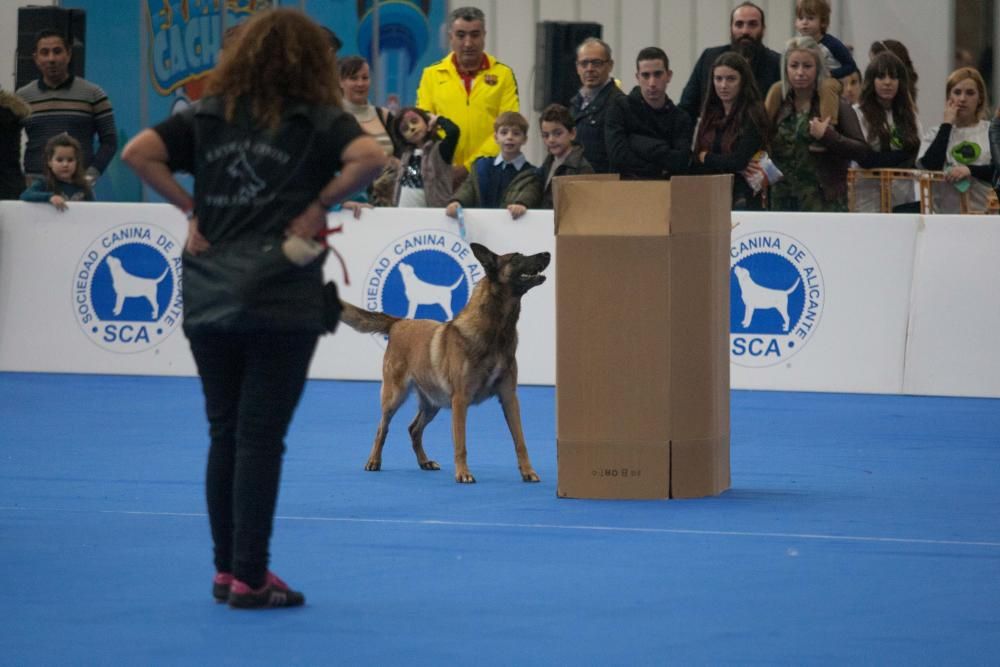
469, 87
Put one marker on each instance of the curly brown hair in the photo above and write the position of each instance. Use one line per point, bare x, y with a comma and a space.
279, 56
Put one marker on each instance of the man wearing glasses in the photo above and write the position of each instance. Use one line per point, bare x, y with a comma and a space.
589, 106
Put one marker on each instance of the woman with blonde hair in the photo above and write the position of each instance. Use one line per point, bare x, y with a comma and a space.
813, 181
960, 145
271, 150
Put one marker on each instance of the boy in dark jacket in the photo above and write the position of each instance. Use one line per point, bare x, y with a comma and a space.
505, 181
565, 156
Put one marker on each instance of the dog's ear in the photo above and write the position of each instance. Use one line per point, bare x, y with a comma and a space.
485, 257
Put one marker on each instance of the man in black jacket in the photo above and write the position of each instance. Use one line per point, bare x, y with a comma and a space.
647, 135
589, 106
746, 28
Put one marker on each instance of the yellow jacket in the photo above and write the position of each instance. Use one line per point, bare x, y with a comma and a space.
494, 90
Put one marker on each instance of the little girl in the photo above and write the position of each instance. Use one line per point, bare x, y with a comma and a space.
424, 176
64, 175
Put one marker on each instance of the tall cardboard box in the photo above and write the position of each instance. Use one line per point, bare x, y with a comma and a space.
642, 337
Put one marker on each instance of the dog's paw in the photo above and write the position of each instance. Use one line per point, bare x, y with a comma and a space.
430, 465
465, 477
373, 466
530, 476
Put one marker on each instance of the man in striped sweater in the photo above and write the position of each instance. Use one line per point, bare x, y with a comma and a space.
61, 102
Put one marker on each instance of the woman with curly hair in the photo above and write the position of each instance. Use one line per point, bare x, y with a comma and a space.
889, 122
271, 150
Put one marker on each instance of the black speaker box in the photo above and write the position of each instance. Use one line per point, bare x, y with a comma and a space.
555, 60
72, 23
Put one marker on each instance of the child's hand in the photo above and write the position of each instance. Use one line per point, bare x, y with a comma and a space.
817, 127
452, 210
58, 201
355, 207
517, 210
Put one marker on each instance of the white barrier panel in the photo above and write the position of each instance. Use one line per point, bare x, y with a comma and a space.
59, 309
50, 320
841, 285
955, 313
844, 284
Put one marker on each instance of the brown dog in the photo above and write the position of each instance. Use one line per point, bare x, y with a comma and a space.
458, 363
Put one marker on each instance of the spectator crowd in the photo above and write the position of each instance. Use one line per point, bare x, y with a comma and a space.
788, 126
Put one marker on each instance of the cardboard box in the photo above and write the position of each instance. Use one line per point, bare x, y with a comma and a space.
642, 337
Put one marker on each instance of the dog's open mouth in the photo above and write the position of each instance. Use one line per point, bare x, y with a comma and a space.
529, 271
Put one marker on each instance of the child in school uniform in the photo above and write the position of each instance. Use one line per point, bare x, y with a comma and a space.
505, 181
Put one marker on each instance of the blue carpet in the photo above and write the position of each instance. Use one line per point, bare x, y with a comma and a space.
859, 530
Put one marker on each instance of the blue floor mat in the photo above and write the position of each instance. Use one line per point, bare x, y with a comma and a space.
859, 529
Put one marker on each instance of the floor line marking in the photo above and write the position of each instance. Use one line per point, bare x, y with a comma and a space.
561, 527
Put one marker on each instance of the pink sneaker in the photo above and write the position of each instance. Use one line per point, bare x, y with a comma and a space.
220, 586
274, 593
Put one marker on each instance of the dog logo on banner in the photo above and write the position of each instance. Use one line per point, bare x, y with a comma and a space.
776, 298
127, 288
427, 274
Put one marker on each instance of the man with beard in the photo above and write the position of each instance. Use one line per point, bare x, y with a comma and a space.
61, 102
746, 27
648, 136
589, 107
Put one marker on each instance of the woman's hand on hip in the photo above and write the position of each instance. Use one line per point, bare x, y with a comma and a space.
310, 222
195, 243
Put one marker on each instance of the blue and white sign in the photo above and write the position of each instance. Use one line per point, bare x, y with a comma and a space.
427, 274
776, 298
126, 291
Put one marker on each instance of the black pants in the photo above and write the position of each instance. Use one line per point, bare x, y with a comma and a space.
252, 383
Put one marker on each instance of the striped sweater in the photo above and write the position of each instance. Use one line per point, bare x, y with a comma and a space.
77, 107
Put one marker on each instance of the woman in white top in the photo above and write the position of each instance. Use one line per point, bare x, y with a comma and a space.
960, 145
889, 122
355, 81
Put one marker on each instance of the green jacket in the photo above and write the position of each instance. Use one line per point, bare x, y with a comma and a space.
525, 189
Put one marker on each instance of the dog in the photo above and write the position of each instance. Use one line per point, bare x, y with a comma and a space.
127, 286
756, 298
458, 363
419, 292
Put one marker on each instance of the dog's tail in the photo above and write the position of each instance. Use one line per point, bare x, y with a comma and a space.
366, 321
793, 287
